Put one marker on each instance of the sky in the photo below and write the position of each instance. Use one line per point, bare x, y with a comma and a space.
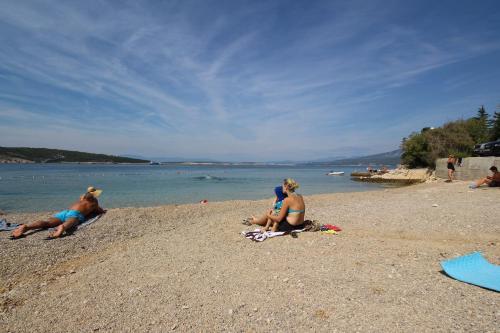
242, 80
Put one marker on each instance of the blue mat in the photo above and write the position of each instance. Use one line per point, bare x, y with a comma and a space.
474, 269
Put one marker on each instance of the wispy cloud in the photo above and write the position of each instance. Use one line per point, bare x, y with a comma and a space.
266, 79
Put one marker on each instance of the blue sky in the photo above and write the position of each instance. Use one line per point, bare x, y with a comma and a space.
242, 80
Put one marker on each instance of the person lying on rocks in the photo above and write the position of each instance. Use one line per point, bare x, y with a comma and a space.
78, 212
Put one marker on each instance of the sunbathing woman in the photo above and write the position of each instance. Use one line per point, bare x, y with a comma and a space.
291, 216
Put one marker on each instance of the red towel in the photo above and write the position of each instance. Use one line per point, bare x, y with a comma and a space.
332, 227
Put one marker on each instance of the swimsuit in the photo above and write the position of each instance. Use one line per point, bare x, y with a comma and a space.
285, 226
494, 183
451, 166
295, 211
67, 214
277, 207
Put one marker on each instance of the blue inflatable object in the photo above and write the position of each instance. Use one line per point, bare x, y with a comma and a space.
474, 269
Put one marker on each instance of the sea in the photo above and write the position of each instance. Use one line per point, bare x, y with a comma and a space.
48, 187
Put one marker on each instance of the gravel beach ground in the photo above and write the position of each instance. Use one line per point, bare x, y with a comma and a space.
187, 268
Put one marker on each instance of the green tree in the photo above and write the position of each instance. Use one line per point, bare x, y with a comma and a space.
422, 149
415, 151
480, 126
456, 137
495, 129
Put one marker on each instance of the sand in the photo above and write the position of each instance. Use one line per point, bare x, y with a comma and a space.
187, 268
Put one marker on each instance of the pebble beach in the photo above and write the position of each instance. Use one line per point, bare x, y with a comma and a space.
181, 268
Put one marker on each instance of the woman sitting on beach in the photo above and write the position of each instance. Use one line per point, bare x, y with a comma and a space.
291, 216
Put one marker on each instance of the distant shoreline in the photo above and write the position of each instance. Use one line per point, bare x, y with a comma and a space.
188, 163
32, 162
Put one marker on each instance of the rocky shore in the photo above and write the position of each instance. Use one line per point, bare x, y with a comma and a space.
13, 160
400, 176
187, 268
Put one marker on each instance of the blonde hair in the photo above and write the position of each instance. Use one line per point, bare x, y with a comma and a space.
291, 184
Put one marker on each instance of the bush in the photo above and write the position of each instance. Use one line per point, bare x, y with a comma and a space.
422, 149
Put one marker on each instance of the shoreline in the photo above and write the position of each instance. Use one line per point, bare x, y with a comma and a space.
188, 266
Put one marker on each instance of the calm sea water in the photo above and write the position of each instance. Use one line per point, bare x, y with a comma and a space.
43, 187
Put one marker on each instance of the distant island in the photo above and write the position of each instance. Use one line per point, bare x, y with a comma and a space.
46, 155
388, 158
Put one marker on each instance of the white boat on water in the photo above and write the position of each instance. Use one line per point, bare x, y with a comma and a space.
335, 173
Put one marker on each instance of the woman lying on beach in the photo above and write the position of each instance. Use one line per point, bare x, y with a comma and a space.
291, 215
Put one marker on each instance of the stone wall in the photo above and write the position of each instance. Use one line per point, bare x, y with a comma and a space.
472, 168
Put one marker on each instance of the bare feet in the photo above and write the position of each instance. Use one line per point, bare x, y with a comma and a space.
19, 231
58, 232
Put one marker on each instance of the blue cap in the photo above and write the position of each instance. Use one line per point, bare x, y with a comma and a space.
279, 193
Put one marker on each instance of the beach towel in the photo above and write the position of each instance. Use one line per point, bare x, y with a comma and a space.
329, 232
326, 227
258, 236
6, 226
473, 268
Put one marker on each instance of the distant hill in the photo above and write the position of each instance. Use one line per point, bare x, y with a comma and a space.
390, 158
171, 159
46, 155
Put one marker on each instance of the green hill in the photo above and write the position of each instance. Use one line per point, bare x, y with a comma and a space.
391, 158
46, 155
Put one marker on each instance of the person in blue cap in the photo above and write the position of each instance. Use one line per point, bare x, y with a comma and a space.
276, 209
277, 203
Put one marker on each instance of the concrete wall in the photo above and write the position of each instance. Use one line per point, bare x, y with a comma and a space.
472, 168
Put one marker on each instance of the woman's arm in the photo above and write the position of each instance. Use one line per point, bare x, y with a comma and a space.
282, 214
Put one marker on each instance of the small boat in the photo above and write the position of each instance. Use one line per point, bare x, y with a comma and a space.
154, 163
335, 173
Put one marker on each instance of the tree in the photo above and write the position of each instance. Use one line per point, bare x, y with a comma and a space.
495, 129
422, 149
482, 114
457, 138
481, 128
415, 151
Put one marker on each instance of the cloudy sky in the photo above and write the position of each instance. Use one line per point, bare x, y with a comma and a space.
242, 80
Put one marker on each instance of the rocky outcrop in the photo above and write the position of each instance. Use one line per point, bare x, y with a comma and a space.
9, 159
400, 176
